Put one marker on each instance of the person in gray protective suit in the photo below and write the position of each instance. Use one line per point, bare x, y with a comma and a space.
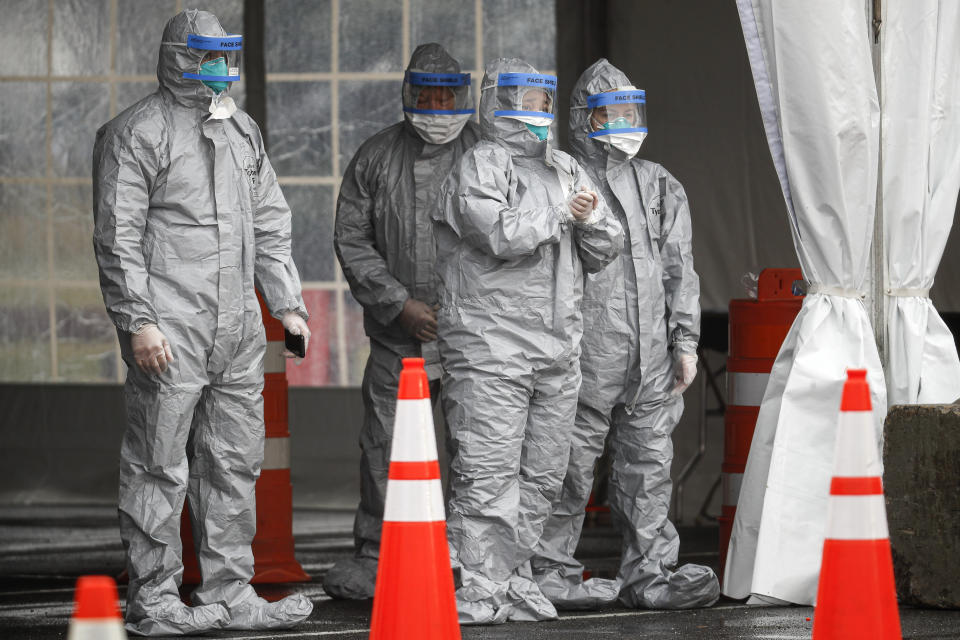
641, 328
383, 236
518, 225
188, 219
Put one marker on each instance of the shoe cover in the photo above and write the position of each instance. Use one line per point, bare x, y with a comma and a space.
256, 613
689, 587
173, 618
480, 600
576, 594
529, 603
351, 579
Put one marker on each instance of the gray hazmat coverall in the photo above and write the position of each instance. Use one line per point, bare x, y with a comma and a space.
188, 217
511, 266
384, 240
638, 314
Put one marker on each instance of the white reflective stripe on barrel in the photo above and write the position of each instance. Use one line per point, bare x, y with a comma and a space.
731, 488
414, 501
276, 453
746, 389
857, 518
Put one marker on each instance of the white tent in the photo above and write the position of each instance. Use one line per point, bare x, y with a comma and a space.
815, 78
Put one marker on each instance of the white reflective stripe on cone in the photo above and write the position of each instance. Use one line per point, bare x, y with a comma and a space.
854, 456
273, 360
96, 629
731, 488
857, 518
276, 453
746, 389
414, 501
413, 436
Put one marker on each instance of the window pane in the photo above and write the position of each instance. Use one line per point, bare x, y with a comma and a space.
23, 38
81, 37
524, 29
288, 48
79, 109
366, 107
23, 108
450, 24
371, 35
86, 339
24, 334
298, 128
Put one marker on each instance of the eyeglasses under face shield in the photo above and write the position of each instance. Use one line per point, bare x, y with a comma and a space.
219, 58
437, 93
528, 97
617, 112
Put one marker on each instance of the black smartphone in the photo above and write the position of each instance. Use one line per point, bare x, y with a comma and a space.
294, 344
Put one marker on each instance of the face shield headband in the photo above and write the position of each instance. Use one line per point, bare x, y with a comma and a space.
231, 46
457, 83
526, 95
621, 112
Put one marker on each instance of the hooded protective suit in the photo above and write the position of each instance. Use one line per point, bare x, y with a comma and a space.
638, 313
383, 237
188, 217
511, 266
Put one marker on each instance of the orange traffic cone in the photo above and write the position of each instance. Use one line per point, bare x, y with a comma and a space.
96, 610
414, 595
856, 598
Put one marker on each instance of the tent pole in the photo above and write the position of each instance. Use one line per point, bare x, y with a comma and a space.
878, 263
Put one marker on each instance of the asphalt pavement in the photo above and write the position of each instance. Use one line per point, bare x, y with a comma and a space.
44, 549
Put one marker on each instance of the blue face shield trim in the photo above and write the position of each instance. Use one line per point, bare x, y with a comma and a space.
638, 96
215, 43
442, 112
540, 80
541, 132
423, 79
532, 114
607, 132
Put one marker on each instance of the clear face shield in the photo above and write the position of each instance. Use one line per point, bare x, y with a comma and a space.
219, 65
529, 98
438, 105
619, 118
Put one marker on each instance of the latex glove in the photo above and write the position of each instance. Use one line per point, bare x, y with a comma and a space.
295, 324
582, 204
685, 370
151, 351
419, 320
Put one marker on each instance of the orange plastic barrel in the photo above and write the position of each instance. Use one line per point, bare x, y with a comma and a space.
757, 330
273, 556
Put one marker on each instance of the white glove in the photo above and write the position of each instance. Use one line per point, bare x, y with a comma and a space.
582, 203
151, 351
684, 371
295, 324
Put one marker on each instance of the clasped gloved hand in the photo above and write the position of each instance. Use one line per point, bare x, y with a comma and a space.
685, 370
151, 351
419, 320
582, 204
295, 324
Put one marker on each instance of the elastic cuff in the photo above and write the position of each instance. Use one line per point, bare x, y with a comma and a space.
685, 346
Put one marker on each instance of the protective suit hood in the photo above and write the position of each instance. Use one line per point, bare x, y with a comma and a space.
176, 57
599, 77
508, 132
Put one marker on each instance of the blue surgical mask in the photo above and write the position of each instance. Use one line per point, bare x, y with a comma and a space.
619, 123
541, 132
216, 67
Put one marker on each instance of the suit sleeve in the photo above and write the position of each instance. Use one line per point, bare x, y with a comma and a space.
125, 165
364, 267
